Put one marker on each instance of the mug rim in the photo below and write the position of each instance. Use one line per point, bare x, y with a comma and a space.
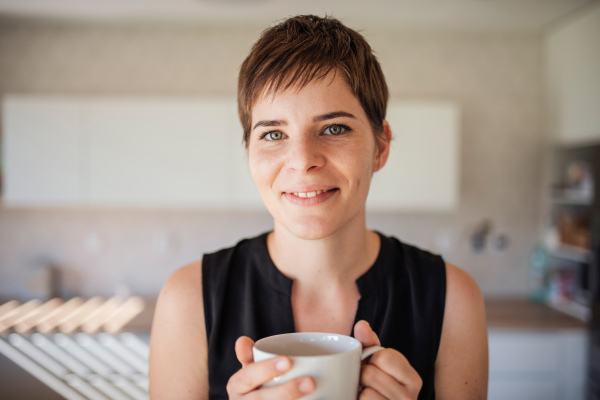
353, 340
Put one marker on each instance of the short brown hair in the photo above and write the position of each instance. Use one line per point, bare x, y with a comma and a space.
304, 48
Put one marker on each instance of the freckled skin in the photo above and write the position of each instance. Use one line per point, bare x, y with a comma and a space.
305, 155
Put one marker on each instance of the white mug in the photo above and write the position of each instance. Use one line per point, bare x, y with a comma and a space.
332, 360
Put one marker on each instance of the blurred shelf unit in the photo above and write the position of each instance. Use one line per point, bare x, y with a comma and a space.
571, 253
573, 241
569, 200
576, 309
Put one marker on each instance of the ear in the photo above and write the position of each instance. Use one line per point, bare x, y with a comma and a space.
383, 141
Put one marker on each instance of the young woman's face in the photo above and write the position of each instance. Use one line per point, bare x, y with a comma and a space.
312, 153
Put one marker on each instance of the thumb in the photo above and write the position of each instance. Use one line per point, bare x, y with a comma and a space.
365, 335
243, 350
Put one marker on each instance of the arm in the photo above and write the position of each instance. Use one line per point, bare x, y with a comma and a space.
178, 346
461, 369
179, 349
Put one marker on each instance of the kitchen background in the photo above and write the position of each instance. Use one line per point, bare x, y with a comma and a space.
496, 77
498, 69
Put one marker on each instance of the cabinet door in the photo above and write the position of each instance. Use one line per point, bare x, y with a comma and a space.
525, 366
161, 152
533, 365
573, 79
524, 389
422, 170
242, 192
523, 352
42, 151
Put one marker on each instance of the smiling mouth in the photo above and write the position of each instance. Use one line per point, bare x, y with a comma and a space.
308, 195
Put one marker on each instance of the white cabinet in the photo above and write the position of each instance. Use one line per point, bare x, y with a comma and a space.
573, 78
422, 171
152, 152
42, 151
178, 152
532, 365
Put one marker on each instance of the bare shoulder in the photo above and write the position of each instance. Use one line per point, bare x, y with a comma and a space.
184, 287
178, 347
462, 364
462, 291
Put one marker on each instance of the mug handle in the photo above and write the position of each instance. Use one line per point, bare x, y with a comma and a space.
369, 351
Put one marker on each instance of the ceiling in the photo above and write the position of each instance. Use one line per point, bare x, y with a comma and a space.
499, 15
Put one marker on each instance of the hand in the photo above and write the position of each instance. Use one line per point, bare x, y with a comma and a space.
387, 374
245, 384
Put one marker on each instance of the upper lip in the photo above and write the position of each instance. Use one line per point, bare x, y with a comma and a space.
308, 188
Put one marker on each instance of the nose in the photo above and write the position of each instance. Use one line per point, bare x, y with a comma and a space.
305, 155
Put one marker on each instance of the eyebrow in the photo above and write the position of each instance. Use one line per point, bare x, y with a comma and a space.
269, 123
318, 118
332, 115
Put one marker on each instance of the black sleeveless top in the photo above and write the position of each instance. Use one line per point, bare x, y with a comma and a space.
402, 296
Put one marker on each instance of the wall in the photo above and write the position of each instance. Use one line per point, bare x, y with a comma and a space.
495, 78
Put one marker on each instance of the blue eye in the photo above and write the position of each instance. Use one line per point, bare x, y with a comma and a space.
335, 129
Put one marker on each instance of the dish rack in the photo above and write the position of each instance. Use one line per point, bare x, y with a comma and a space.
77, 347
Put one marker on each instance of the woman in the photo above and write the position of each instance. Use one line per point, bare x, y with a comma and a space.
312, 102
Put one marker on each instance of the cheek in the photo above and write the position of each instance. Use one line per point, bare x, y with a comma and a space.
363, 170
362, 160
262, 168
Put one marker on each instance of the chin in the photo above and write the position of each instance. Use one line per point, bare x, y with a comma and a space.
311, 228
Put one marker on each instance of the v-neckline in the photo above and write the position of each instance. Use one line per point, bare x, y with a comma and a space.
367, 283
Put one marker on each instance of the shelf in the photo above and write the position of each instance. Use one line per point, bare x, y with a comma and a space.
573, 195
572, 308
570, 201
570, 253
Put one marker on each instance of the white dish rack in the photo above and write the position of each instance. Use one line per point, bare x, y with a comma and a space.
79, 365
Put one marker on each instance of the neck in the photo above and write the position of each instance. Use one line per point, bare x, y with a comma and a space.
336, 260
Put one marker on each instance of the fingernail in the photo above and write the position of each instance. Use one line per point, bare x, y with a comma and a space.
283, 365
305, 385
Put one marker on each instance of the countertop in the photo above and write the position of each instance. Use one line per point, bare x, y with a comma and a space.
523, 314
502, 313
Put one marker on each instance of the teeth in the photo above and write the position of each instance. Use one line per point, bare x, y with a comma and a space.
308, 195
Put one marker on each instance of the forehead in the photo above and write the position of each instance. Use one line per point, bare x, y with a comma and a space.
330, 93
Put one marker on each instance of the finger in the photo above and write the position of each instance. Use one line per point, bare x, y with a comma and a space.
292, 389
365, 335
373, 378
370, 394
252, 375
243, 350
393, 363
